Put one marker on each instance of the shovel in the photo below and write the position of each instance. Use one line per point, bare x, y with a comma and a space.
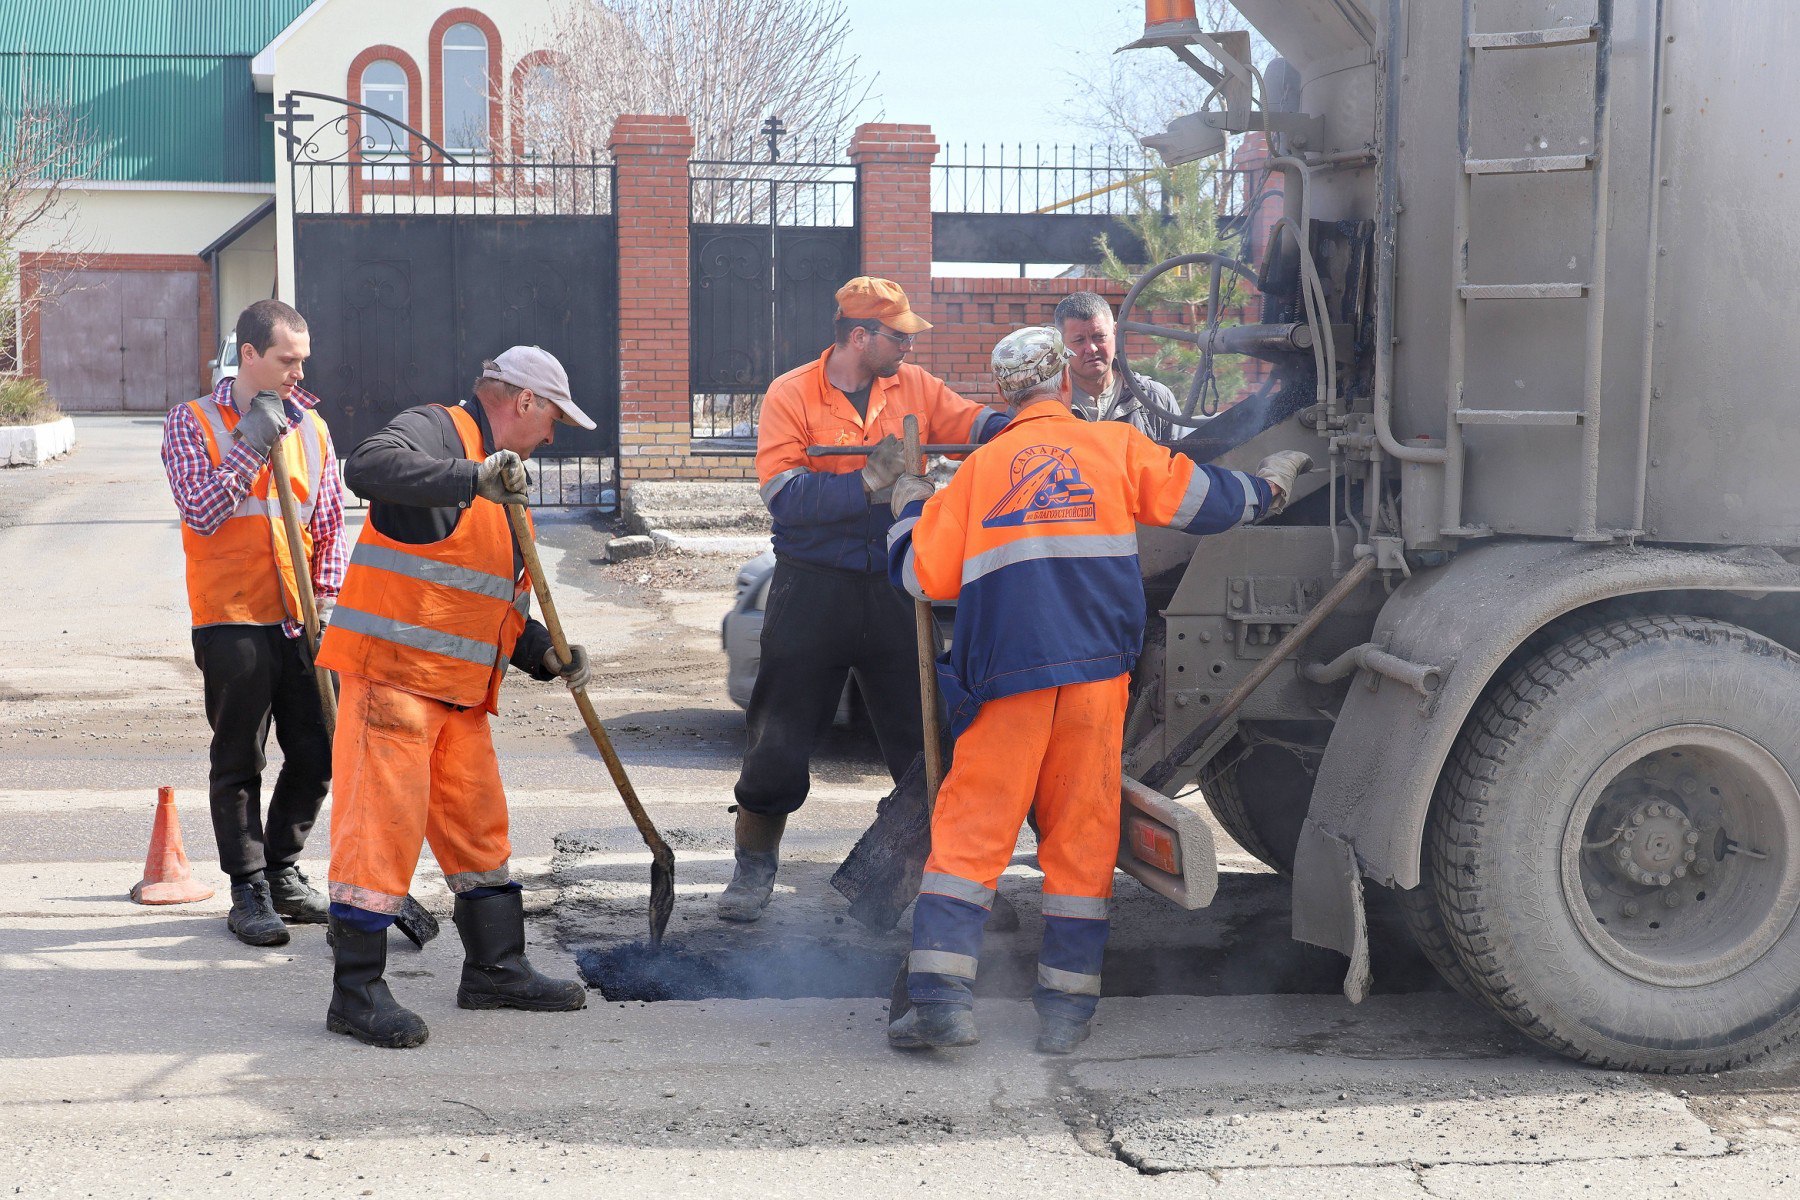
414, 920
662, 859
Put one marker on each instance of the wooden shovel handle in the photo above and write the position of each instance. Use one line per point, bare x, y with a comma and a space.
925, 632
515, 514
309, 606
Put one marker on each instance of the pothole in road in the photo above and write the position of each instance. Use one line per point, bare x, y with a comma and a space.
1241, 947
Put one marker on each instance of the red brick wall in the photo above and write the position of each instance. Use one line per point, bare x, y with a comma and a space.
969, 315
894, 203
655, 404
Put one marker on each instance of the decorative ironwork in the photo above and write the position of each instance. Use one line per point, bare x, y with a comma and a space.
413, 265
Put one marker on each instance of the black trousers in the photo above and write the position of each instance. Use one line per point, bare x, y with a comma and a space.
819, 626
255, 673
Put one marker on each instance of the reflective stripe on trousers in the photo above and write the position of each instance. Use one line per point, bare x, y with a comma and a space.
1057, 749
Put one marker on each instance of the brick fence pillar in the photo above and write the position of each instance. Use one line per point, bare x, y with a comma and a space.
894, 205
650, 203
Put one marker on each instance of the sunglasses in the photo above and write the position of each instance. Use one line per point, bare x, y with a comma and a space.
902, 340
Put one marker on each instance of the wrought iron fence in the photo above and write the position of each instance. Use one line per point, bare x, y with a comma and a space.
810, 192
1076, 180
555, 483
773, 238
353, 160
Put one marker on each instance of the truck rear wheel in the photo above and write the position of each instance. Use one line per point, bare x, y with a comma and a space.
1260, 789
1615, 846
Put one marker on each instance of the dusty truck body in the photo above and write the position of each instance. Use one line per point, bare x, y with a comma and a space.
1533, 314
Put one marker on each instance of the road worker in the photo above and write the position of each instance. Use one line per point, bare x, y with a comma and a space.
830, 610
1095, 381
1035, 539
434, 606
249, 644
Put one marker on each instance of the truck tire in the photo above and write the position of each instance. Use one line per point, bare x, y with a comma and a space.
1259, 792
1424, 921
1615, 845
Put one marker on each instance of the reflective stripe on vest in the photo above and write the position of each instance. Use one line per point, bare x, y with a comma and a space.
242, 573
438, 619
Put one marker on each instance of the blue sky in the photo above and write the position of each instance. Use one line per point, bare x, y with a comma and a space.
988, 70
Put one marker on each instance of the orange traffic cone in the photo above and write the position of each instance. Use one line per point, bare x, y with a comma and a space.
167, 877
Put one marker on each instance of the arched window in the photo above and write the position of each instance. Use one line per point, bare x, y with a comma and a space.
464, 72
384, 89
542, 101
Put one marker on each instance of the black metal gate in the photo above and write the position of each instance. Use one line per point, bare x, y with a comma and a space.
412, 267
770, 244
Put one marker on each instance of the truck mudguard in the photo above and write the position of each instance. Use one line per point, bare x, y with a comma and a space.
1374, 788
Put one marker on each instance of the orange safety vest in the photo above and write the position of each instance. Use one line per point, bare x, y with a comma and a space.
438, 619
229, 579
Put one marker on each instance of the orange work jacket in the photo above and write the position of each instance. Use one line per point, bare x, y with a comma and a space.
1036, 540
439, 619
242, 573
822, 515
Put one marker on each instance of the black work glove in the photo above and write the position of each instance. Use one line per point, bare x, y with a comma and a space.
263, 425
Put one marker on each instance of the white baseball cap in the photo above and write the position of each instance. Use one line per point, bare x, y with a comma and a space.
536, 370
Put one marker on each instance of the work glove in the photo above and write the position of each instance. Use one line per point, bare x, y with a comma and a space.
887, 461
325, 606
501, 478
1281, 469
910, 488
577, 673
263, 425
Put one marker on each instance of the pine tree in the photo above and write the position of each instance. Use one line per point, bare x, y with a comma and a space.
1174, 215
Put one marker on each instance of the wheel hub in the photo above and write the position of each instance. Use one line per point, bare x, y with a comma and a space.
1656, 844
1682, 855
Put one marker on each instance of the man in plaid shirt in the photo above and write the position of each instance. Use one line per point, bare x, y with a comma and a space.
248, 640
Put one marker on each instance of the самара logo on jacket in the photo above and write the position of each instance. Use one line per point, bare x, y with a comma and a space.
1046, 487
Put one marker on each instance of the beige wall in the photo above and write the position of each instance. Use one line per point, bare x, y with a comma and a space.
247, 271
141, 222
317, 54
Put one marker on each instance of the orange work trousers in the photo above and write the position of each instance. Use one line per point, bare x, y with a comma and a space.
409, 769
1058, 748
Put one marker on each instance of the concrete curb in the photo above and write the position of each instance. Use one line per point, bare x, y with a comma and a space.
35, 445
749, 545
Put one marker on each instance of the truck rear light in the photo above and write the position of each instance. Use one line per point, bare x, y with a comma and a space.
1154, 843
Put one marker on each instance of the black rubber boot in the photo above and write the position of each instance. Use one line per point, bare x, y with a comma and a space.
295, 898
361, 1004
252, 917
1060, 1035
758, 840
925, 1026
495, 971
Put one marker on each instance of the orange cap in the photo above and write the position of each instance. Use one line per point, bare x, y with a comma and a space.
869, 299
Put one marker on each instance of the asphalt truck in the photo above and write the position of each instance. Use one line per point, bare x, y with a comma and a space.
1526, 638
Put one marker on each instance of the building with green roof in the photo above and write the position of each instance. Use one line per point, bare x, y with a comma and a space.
178, 209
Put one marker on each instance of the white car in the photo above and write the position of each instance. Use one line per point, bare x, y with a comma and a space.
227, 362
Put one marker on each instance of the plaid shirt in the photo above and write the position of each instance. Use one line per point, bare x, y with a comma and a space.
205, 495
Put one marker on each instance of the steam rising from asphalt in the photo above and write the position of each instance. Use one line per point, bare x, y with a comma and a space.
1254, 956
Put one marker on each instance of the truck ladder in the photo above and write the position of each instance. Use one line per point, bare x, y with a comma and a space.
1592, 293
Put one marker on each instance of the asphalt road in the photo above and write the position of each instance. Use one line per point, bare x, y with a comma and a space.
145, 1052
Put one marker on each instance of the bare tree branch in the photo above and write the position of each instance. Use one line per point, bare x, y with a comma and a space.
1124, 97
45, 149
724, 64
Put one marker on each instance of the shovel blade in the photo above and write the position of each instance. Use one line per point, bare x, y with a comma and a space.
662, 893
